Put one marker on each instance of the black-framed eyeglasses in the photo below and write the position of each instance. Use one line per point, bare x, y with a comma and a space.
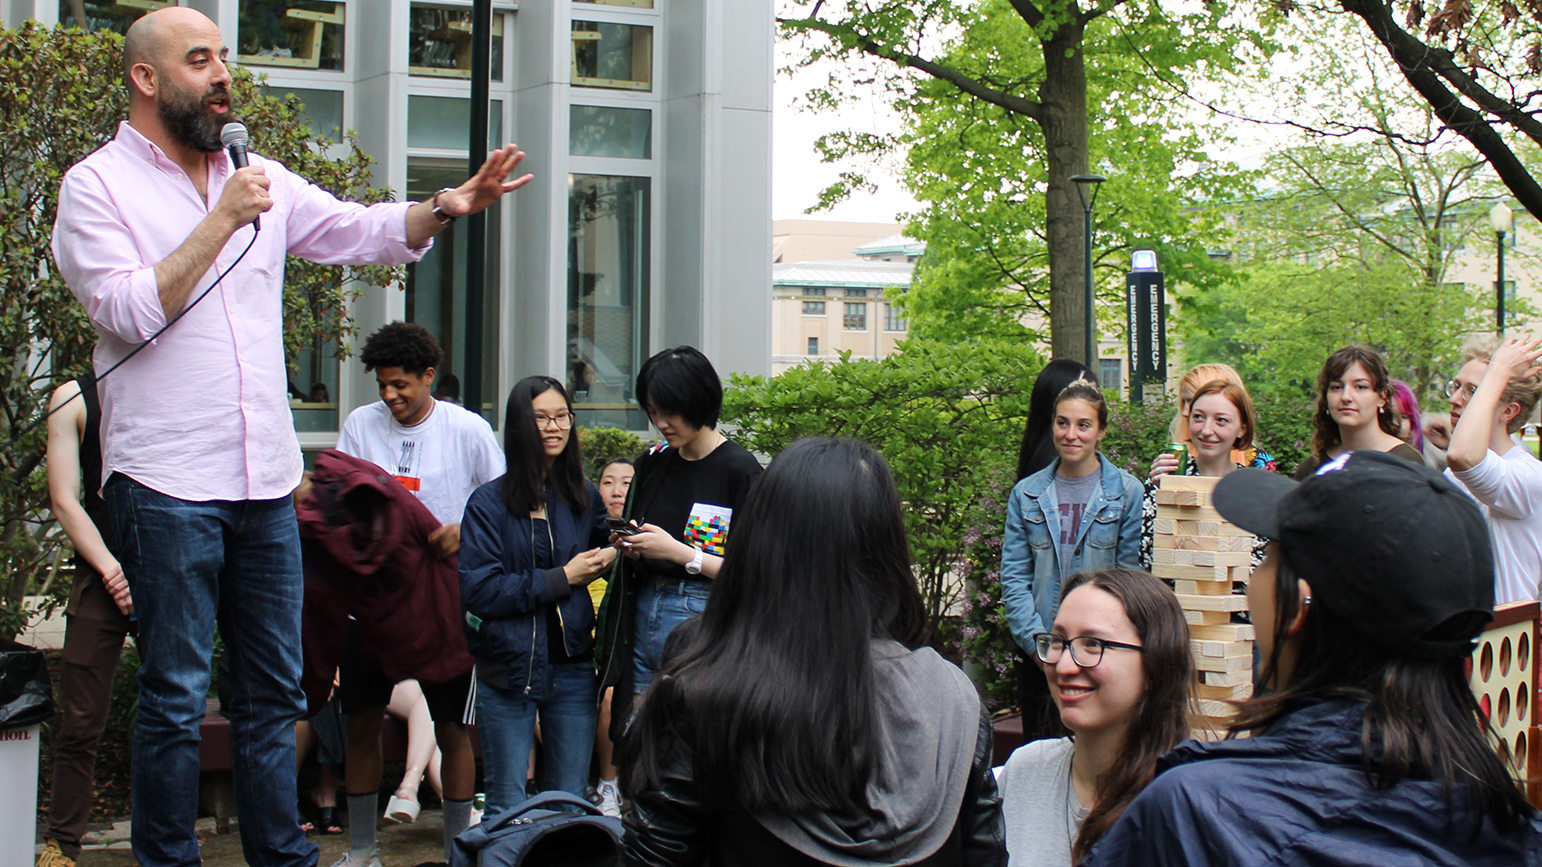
561, 421
1467, 389
1086, 651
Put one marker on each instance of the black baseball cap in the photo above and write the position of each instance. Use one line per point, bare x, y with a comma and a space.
1392, 548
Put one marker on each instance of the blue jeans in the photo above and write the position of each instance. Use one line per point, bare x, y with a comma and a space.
661, 606
192, 565
506, 725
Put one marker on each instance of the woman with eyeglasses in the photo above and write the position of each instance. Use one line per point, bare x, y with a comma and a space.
1355, 410
1120, 672
530, 543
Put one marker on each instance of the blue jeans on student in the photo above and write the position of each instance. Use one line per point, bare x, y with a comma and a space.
191, 565
662, 604
506, 725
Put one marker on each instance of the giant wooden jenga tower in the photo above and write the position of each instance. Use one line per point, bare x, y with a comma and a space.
1206, 558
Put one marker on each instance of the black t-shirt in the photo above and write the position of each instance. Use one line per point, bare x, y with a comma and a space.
693, 501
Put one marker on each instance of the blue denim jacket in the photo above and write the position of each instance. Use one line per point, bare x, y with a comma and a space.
1030, 557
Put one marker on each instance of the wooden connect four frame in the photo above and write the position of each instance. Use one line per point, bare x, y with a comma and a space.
1504, 679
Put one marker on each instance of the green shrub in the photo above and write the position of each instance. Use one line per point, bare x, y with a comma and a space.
947, 417
601, 445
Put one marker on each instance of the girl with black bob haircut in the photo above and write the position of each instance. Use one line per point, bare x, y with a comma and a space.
800, 720
682, 382
685, 499
1366, 743
529, 544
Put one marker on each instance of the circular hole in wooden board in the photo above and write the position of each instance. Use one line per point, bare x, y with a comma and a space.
1486, 661
1504, 656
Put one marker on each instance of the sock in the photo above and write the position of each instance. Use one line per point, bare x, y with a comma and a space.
361, 826
457, 818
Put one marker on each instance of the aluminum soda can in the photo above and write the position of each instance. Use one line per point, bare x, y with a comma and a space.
1181, 452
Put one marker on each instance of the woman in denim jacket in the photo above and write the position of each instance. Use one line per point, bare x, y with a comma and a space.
1080, 513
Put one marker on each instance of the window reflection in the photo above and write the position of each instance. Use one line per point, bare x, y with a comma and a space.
439, 42
608, 297
305, 34
612, 55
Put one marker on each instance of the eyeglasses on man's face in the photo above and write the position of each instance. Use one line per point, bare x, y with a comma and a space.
560, 421
1466, 389
1086, 651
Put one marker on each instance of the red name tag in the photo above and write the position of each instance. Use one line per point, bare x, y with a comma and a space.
410, 483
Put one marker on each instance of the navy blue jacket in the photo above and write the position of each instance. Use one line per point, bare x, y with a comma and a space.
1296, 794
506, 596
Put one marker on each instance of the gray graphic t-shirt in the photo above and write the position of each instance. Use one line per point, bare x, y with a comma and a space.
1073, 495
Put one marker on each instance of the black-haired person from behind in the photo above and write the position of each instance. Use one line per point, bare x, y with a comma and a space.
685, 496
800, 720
1366, 743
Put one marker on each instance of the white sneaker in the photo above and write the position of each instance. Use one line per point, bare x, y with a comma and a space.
610, 799
349, 861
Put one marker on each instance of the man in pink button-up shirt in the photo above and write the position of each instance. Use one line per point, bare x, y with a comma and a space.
199, 452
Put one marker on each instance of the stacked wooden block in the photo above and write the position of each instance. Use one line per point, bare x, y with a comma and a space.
1206, 558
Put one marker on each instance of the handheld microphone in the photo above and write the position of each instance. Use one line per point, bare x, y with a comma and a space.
233, 135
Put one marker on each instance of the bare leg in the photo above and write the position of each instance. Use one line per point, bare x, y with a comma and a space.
602, 743
407, 703
362, 771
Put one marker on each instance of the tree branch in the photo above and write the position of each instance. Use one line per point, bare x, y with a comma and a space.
1429, 70
866, 44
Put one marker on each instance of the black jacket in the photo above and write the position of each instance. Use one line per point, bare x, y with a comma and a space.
670, 826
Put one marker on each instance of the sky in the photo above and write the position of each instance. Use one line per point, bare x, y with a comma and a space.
797, 175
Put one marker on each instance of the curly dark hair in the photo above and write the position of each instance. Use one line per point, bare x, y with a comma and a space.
407, 345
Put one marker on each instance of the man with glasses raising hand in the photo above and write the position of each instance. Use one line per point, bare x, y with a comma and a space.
440, 452
1492, 396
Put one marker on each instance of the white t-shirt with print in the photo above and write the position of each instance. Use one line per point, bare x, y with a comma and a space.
441, 459
1508, 488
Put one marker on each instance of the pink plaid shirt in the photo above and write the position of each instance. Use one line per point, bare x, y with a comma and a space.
203, 414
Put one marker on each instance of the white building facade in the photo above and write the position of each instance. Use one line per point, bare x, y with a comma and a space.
647, 125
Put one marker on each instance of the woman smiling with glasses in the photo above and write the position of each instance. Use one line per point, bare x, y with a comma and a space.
1119, 671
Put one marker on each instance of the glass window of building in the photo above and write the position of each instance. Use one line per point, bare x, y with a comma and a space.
892, 320
439, 42
618, 56
813, 346
107, 14
303, 34
604, 131
436, 286
313, 387
608, 296
856, 293
855, 318
442, 121
632, 4
813, 308
1109, 370
322, 109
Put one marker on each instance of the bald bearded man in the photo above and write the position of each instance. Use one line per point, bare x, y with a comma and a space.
199, 451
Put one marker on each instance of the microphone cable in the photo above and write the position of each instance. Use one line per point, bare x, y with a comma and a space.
15, 438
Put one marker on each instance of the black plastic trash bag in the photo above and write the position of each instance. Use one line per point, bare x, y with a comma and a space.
26, 696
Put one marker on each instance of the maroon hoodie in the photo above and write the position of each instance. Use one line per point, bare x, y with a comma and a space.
365, 542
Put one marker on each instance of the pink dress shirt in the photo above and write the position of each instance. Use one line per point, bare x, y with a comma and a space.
203, 414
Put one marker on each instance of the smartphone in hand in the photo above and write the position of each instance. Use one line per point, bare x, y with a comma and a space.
621, 526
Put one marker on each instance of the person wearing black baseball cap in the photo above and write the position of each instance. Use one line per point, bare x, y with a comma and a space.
1367, 745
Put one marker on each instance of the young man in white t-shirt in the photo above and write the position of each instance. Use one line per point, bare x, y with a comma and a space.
441, 452
1492, 396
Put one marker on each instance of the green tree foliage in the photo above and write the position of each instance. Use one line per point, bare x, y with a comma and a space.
61, 97
1009, 99
946, 417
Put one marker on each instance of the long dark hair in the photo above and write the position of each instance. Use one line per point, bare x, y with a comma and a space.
772, 689
1325, 433
1421, 718
1037, 449
1162, 716
527, 473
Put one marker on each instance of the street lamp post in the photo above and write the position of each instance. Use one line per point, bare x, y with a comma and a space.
1082, 183
1503, 221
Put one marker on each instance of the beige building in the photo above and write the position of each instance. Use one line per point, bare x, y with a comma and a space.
831, 286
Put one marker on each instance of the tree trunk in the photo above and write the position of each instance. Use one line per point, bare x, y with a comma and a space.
1063, 95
